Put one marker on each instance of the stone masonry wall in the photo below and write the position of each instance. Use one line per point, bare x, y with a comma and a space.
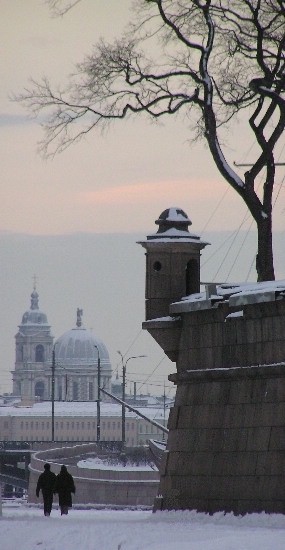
211, 339
226, 446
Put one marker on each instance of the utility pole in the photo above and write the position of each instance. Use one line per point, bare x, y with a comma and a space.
98, 396
124, 367
164, 407
52, 392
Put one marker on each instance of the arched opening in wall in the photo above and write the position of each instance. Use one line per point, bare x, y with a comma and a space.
20, 353
39, 389
75, 391
192, 277
39, 356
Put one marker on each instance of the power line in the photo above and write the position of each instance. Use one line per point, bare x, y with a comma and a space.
130, 381
131, 345
240, 249
150, 375
215, 210
231, 244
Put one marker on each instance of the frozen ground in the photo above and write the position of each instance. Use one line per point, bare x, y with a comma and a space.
25, 528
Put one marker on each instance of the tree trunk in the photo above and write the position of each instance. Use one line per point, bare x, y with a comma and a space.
264, 258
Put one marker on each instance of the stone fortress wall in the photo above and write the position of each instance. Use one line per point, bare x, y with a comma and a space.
226, 445
226, 442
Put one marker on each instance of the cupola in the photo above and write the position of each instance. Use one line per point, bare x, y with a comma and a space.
172, 262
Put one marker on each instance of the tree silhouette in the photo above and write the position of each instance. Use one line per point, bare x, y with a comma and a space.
206, 60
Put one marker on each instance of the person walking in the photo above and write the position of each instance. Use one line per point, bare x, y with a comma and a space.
64, 486
46, 484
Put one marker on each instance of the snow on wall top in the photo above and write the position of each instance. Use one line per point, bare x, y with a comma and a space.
237, 294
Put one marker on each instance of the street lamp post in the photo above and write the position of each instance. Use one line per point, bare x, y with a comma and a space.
98, 396
124, 367
52, 392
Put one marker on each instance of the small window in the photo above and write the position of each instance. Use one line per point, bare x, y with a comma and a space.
157, 266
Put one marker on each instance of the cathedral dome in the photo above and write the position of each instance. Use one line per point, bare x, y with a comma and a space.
79, 346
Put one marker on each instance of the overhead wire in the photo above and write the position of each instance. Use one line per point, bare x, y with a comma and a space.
215, 210
246, 216
132, 343
151, 374
131, 381
239, 250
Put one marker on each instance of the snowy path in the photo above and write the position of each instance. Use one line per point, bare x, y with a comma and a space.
25, 528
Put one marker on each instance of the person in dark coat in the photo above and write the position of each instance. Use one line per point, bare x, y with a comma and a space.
64, 486
46, 484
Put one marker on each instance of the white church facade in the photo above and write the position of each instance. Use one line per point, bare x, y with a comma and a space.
75, 356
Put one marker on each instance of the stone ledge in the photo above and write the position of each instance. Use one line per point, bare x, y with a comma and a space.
256, 371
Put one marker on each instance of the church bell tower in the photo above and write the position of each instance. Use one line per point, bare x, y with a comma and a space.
34, 344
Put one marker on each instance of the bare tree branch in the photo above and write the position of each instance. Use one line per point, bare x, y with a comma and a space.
210, 59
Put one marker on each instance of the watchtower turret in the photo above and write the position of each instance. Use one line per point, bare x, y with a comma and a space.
172, 262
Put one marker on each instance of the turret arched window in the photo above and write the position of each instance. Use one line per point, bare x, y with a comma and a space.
192, 277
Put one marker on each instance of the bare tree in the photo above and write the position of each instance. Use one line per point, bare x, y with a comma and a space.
204, 59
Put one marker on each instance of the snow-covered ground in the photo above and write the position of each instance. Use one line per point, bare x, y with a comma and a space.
25, 528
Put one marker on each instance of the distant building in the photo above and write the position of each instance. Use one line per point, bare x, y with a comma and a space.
77, 421
76, 356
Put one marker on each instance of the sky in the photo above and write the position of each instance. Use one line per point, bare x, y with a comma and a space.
25, 527
119, 181
54, 214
